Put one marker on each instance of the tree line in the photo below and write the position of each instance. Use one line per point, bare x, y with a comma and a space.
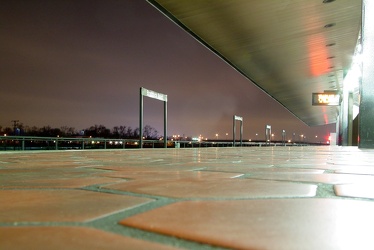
117, 132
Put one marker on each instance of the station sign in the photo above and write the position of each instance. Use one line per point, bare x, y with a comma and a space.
238, 118
325, 99
154, 95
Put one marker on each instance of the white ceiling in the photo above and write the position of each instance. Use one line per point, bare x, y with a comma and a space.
280, 45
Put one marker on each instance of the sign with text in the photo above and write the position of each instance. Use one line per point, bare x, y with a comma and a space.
325, 99
238, 118
154, 95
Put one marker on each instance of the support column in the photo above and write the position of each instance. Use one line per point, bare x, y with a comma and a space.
234, 131
141, 118
337, 132
366, 119
241, 133
346, 109
350, 118
165, 124
339, 126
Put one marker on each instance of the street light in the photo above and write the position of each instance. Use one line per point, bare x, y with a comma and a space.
217, 136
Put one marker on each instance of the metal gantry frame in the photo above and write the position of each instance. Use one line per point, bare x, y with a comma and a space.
284, 136
158, 96
267, 134
237, 118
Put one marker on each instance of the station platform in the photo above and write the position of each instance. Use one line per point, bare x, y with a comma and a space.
201, 198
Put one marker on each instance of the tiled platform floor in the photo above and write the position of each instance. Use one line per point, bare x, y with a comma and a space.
208, 198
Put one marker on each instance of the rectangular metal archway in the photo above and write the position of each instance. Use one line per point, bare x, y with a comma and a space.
237, 118
284, 137
158, 96
267, 134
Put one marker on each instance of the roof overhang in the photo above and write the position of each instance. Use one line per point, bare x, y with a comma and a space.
289, 48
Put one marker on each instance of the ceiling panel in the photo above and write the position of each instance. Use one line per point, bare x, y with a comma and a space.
286, 47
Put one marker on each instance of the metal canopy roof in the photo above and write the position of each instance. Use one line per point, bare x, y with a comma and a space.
289, 48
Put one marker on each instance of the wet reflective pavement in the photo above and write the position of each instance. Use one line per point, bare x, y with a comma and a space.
207, 198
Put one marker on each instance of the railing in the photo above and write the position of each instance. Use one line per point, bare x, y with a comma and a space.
63, 143
13, 143
196, 144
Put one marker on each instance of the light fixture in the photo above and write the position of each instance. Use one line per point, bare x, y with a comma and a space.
330, 44
331, 57
328, 1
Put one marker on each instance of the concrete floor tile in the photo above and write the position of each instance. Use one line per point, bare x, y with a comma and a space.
350, 162
57, 177
368, 170
58, 182
256, 169
71, 238
216, 188
173, 175
314, 178
324, 224
61, 205
357, 190
144, 167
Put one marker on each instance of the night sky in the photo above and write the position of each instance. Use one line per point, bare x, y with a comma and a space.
78, 63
